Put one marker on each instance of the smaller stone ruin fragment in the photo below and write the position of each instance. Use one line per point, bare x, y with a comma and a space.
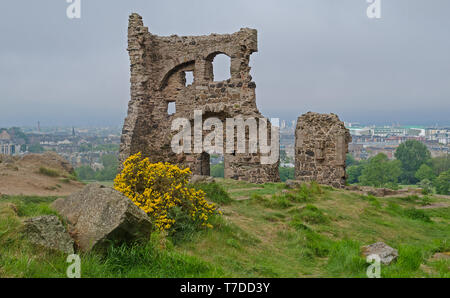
321, 146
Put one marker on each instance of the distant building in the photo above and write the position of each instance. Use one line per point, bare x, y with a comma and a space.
7, 146
357, 151
97, 166
4, 135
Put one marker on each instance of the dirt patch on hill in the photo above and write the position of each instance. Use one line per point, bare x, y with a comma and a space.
45, 174
435, 206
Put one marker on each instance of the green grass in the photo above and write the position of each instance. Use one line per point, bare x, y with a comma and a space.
215, 193
30, 206
49, 172
157, 258
105, 183
443, 213
309, 231
409, 212
312, 215
345, 260
407, 265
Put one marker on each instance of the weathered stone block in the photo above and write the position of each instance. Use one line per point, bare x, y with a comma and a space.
386, 253
49, 232
98, 215
320, 149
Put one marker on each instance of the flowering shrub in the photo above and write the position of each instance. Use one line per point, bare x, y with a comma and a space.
160, 190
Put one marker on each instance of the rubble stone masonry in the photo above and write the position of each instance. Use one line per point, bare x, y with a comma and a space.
321, 145
158, 77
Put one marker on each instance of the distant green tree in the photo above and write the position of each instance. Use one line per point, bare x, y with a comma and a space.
442, 183
218, 170
286, 173
17, 133
85, 173
380, 171
35, 148
441, 164
412, 154
283, 155
85, 147
426, 185
351, 161
110, 160
107, 147
110, 168
353, 173
425, 172
107, 174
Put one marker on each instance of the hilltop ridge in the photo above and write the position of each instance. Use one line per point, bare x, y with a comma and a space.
45, 174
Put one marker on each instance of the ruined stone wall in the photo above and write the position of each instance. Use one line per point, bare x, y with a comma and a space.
158, 77
321, 145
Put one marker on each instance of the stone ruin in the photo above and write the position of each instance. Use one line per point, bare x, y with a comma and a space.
158, 78
321, 146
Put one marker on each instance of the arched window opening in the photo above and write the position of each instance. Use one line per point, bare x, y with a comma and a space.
177, 71
221, 68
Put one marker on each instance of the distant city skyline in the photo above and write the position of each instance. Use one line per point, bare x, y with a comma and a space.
314, 55
288, 124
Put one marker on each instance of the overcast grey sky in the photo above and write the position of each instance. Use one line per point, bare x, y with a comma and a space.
314, 55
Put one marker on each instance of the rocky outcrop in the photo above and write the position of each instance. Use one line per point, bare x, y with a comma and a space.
48, 159
386, 253
98, 216
293, 183
383, 192
321, 145
46, 174
201, 179
49, 232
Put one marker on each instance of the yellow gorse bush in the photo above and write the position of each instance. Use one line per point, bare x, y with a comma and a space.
157, 188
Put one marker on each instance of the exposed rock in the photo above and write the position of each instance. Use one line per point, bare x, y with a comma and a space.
48, 159
201, 179
49, 232
352, 187
158, 77
321, 145
98, 215
26, 175
377, 192
384, 192
435, 206
293, 183
441, 256
386, 253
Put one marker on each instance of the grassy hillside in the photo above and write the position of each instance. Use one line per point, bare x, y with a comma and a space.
265, 231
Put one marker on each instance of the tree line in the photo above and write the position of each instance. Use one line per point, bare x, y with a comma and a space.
110, 168
413, 165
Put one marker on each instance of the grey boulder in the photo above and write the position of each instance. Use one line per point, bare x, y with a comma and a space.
386, 253
292, 183
201, 179
99, 215
49, 232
